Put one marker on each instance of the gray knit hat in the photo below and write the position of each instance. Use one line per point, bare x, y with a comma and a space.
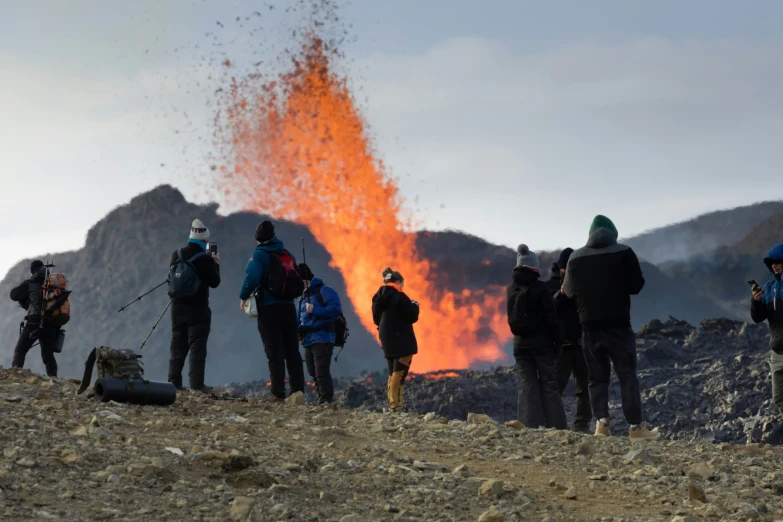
526, 257
199, 231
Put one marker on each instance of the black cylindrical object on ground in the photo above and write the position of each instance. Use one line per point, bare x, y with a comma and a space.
137, 392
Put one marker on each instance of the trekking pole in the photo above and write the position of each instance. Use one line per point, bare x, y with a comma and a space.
338, 353
304, 256
122, 308
155, 326
45, 296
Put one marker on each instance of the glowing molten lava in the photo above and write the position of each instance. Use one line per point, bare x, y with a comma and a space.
301, 152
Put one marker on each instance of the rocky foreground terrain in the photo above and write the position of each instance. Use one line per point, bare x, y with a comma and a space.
66, 457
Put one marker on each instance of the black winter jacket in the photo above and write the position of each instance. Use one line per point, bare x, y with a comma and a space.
208, 272
773, 312
601, 277
547, 333
394, 314
567, 312
31, 292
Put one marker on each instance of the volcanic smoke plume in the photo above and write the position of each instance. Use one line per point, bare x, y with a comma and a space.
301, 152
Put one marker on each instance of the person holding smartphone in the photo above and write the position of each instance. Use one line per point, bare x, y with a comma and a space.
767, 304
191, 317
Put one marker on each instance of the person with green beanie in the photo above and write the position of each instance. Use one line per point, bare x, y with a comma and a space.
601, 277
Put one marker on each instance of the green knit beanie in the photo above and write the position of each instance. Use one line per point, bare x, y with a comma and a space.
602, 222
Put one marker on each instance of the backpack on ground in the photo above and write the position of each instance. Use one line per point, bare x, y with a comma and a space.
341, 331
284, 281
183, 276
56, 307
112, 364
522, 317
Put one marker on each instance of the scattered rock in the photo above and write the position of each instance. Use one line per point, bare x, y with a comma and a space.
12, 398
493, 515
26, 463
479, 418
640, 457
492, 488
700, 470
241, 508
350, 518
571, 494
515, 424
586, 448
431, 466
462, 471
328, 497
295, 399
695, 492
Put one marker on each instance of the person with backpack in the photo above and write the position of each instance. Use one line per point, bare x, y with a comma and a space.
29, 294
193, 272
532, 317
601, 277
272, 279
764, 306
573, 359
319, 311
394, 314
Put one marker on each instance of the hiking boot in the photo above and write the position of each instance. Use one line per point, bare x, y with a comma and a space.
602, 429
582, 429
642, 433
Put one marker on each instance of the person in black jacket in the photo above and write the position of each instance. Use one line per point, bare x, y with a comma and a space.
764, 306
602, 276
573, 360
29, 294
394, 314
533, 319
191, 317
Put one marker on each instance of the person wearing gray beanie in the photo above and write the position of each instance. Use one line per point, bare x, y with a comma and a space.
528, 258
532, 318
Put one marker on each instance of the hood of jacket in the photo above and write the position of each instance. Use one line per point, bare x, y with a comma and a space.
315, 285
775, 253
274, 245
524, 276
602, 238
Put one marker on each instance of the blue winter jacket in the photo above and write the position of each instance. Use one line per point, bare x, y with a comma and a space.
257, 273
320, 323
770, 307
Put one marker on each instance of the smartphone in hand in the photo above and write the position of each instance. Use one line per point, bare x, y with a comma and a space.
213, 247
754, 286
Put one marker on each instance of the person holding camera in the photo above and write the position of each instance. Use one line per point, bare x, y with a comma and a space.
191, 317
394, 314
319, 308
764, 306
29, 295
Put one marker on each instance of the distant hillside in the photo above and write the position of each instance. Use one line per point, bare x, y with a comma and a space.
702, 234
762, 237
128, 251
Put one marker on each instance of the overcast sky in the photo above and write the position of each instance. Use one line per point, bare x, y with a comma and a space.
512, 120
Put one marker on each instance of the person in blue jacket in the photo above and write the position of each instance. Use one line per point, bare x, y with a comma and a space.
767, 304
277, 321
319, 308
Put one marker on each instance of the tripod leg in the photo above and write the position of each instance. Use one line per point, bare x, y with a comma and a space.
155, 325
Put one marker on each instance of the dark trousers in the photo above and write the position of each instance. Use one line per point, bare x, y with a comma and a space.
538, 401
190, 326
604, 349
47, 338
573, 362
318, 357
776, 367
278, 328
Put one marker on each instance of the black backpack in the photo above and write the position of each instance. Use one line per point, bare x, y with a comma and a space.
341, 331
522, 317
284, 281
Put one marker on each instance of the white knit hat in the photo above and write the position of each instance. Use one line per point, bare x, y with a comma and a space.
199, 231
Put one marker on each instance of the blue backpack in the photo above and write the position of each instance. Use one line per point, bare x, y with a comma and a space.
183, 276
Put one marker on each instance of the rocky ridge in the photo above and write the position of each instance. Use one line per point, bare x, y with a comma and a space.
66, 457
